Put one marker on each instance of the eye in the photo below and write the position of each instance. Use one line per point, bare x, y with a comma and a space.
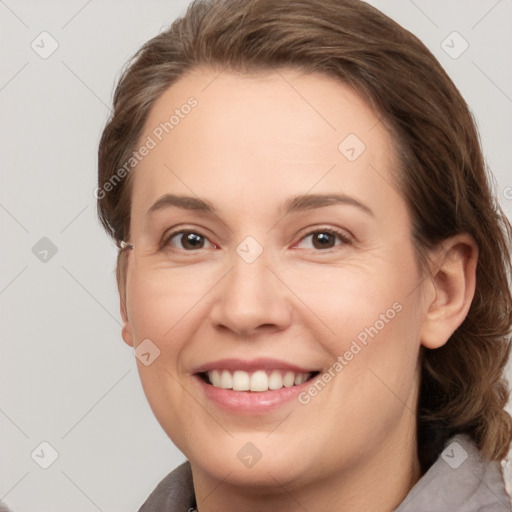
187, 241
321, 239
325, 239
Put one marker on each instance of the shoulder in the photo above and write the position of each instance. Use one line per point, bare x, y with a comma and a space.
174, 492
460, 480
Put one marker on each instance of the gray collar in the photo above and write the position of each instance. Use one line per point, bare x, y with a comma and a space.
459, 481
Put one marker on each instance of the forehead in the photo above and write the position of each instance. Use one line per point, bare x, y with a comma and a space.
278, 130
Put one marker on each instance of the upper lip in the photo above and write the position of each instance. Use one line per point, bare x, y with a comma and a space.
262, 363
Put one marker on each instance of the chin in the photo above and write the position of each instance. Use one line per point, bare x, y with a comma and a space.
252, 460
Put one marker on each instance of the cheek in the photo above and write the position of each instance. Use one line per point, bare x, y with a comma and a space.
167, 318
374, 354
160, 311
359, 301
377, 347
370, 327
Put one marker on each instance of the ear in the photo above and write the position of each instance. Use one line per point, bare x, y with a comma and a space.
126, 332
121, 271
451, 287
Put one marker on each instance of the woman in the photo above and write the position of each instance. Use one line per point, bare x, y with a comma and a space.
312, 267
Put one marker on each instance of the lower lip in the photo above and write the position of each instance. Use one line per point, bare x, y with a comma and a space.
251, 402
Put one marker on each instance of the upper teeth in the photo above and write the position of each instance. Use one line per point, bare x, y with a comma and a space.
260, 380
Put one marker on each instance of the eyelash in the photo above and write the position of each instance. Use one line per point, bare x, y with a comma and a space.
332, 231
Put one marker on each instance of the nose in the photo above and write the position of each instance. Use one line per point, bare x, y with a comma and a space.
251, 300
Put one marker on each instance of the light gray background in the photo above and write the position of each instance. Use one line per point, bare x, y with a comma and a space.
66, 377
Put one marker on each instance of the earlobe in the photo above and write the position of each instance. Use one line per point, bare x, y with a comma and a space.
452, 281
126, 331
122, 263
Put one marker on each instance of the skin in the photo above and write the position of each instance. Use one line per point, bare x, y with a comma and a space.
252, 142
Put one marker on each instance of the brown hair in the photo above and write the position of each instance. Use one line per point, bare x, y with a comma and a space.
443, 175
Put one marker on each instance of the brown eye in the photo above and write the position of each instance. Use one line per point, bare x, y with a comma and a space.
188, 240
325, 239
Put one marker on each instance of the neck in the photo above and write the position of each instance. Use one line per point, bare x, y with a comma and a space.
378, 484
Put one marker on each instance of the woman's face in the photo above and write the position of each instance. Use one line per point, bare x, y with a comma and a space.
291, 259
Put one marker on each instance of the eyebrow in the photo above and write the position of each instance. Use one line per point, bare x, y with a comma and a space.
311, 201
292, 205
184, 202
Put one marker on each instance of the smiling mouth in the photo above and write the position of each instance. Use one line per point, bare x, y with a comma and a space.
259, 380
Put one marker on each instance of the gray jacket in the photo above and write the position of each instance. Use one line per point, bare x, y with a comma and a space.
459, 481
